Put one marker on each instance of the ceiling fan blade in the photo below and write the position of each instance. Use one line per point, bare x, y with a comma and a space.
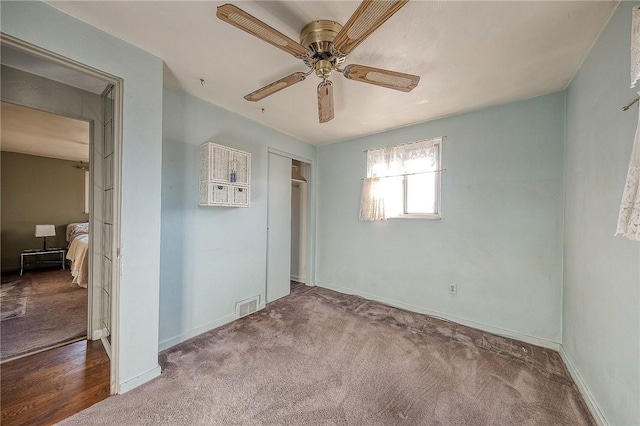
365, 20
241, 19
325, 101
379, 77
276, 86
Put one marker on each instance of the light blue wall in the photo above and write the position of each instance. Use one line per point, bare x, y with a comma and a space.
601, 302
500, 237
212, 257
44, 26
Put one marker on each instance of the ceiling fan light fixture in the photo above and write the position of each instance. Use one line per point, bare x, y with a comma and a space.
323, 47
323, 68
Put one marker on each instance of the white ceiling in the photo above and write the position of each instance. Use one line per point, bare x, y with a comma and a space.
33, 132
469, 55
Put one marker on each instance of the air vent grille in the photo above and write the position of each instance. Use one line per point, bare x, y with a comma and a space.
247, 306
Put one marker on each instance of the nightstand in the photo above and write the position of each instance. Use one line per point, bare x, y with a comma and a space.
52, 256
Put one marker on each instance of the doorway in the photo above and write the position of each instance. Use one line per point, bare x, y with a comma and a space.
45, 159
299, 221
101, 107
288, 201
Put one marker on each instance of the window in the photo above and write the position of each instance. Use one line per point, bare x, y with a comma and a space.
403, 181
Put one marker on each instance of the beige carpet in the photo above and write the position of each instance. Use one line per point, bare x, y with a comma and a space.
323, 358
41, 309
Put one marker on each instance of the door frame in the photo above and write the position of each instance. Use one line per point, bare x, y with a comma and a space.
117, 82
311, 212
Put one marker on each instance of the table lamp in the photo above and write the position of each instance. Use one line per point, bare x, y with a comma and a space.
45, 231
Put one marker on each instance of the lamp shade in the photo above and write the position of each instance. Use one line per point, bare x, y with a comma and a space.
45, 231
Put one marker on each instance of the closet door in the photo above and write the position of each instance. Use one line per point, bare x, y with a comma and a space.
278, 227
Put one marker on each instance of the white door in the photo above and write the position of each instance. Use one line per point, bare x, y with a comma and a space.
108, 165
278, 227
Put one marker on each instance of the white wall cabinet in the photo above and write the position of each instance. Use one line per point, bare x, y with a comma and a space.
225, 176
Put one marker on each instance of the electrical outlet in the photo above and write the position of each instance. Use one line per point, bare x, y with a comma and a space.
453, 289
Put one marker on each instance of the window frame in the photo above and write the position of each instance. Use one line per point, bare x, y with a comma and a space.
438, 185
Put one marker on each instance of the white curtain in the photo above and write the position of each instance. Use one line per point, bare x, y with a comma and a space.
372, 201
629, 216
635, 46
388, 163
398, 160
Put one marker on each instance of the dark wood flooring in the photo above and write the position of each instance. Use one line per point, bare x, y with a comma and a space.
49, 386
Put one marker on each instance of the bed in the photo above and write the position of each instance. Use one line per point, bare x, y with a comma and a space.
78, 252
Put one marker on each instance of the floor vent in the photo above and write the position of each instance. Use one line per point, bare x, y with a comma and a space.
247, 306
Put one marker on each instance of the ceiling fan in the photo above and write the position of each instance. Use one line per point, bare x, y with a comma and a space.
323, 47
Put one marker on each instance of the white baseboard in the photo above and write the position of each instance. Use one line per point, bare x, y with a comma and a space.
538, 341
137, 381
97, 334
298, 279
594, 408
172, 341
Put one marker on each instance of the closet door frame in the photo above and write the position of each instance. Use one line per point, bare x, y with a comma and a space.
311, 214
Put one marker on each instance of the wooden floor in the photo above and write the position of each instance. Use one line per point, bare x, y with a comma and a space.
47, 387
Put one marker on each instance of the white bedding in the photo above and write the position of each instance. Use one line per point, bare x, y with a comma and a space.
78, 254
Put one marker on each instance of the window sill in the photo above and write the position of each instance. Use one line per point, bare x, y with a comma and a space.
417, 216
